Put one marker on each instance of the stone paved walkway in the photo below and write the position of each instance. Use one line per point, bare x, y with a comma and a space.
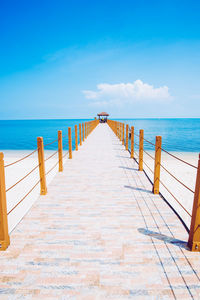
100, 234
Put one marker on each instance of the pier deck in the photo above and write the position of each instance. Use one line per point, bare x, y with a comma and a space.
100, 233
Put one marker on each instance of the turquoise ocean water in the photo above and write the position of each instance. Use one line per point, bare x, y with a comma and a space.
182, 135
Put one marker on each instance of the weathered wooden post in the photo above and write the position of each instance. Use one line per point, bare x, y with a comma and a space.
123, 134
83, 131
60, 151
141, 150
70, 142
156, 182
194, 235
76, 138
127, 137
40, 147
80, 134
132, 142
4, 235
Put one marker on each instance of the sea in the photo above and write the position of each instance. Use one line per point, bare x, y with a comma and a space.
179, 135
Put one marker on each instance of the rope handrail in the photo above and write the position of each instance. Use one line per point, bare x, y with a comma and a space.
178, 158
149, 154
52, 168
177, 179
148, 167
136, 154
51, 155
22, 178
175, 198
65, 145
168, 189
149, 142
8, 165
24, 196
51, 143
65, 154
174, 156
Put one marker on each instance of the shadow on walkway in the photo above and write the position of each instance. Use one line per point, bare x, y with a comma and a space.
164, 238
123, 156
137, 189
133, 169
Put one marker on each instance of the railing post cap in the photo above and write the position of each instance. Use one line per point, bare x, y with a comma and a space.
1, 155
158, 137
40, 138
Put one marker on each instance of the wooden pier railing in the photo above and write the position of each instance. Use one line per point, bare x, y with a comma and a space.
84, 130
118, 129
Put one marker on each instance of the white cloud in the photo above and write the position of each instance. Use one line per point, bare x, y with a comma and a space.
127, 92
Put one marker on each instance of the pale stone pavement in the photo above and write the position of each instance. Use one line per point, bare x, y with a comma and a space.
100, 234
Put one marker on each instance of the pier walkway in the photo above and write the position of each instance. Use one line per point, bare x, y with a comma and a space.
100, 233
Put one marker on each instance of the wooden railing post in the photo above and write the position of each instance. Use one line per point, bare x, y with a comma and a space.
80, 134
141, 150
43, 185
127, 137
194, 235
76, 138
120, 131
156, 182
87, 129
60, 151
70, 142
123, 134
83, 131
132, 142
4, 235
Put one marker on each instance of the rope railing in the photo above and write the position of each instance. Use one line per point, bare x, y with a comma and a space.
52, 155
175, 198
52, 168
177, 179
24, 197
65, 154
172, 155
21, 159
85, 130
149, 154
48, 144
24, 177
117, 127
178, 158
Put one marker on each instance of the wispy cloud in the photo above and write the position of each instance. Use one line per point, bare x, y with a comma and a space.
127, 93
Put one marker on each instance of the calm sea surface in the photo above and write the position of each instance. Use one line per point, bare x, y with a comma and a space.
177, 134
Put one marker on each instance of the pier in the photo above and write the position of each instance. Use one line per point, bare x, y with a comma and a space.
100, 229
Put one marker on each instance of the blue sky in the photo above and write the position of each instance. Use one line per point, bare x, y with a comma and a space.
72, 59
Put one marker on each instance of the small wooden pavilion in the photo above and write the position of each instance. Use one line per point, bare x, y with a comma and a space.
103, 117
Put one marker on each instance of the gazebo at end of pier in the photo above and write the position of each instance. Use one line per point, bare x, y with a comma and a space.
104, 115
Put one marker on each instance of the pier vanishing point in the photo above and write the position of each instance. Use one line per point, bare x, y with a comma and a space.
100, 229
